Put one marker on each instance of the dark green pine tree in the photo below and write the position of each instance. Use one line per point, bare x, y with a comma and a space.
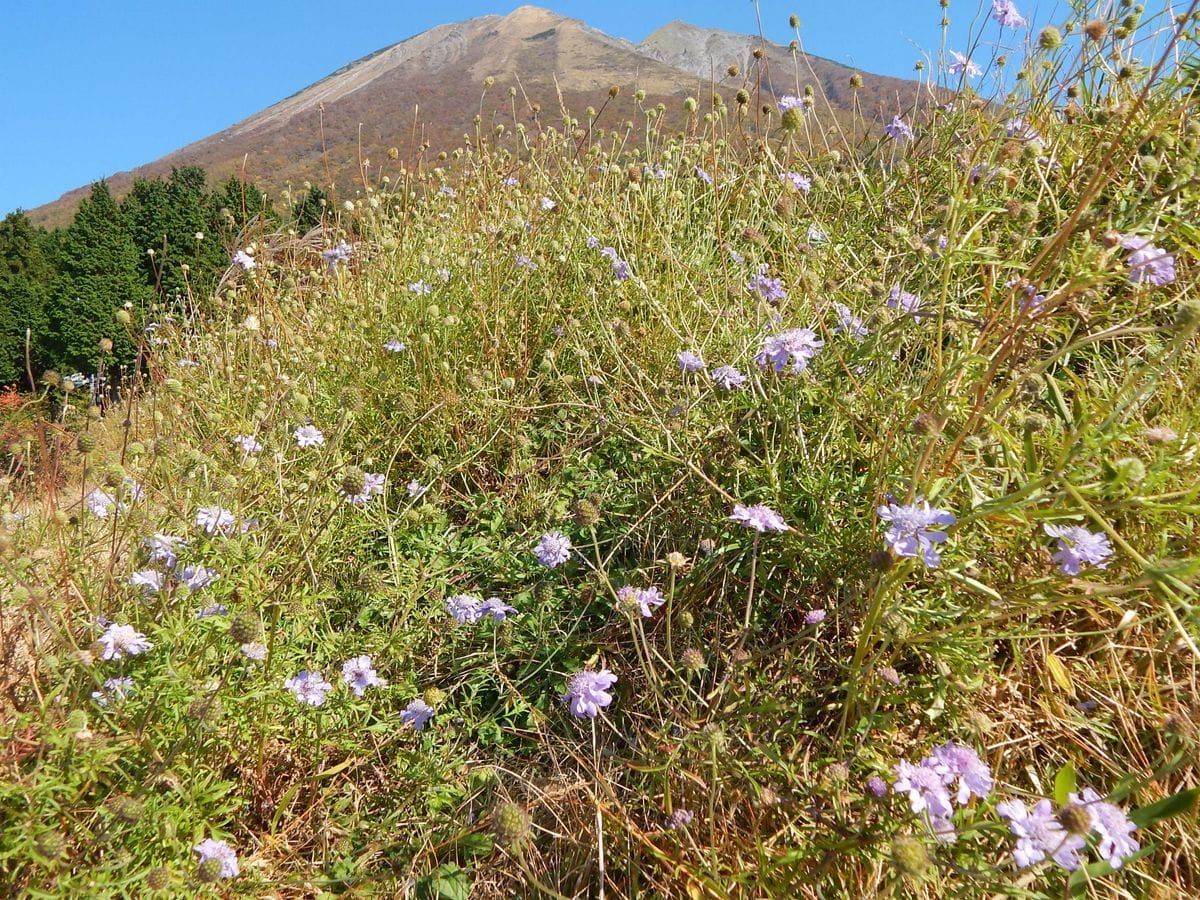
309, 210
236, 208
25, 276
98, 274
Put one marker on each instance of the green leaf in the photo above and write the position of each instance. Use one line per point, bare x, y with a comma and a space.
1064, 784
1082, 878
446, 882
1175, 805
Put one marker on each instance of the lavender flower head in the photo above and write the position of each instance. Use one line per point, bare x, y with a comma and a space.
909, 531
644, 600
904, 301
800, 182
963, 66
961, 762
1147, 263
151, 581
163, 548
876, 786
216, 520
101, 504
728, 377
372, 487
926, 786
680, 818
703, 175
814, 617
335, 255
767, 288
849, 323
123, 640
417, 714
587, 692
244, 260
689, 361
1040, 835
220, 851
496, 608
415, 489
309, 687
789, 101
898, 129
1076, 547
1006, 15
797, 346
359, 673
465, 609
197, 578
308, 436
394, 345
759, 517
114, 689
248, 444
553, 549
1112, 825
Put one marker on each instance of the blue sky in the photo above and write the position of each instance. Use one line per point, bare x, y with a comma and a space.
94, 88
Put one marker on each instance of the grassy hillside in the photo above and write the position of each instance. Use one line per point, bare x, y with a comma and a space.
900, 603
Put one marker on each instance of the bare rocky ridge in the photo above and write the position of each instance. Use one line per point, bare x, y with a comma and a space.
429, 88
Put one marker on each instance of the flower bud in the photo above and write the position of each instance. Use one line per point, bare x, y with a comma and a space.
909, 856
1050, 38
1075, 819
209, 871
511, 824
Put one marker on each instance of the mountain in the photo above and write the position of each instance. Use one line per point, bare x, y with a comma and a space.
422, 95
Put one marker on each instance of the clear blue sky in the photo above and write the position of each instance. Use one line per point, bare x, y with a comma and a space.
92, 88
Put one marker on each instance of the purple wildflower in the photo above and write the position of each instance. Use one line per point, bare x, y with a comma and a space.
1039, 835
496, 608
248, 444
848, 322
926, 786
372, 486
509, 181
465, 608
592, 242
816, 235
415, 489
645, 599
963, 66
197, 578
163, 549
728, 377
1076, 546
114, 689
680, 818
876, 786
417, 714
800, 182
962, 762
309, 687
898, 130
553, 549
244, 260
703, 176
448, 191
394, 346
151, 581
340, 253
814, 617
359, 673
1006, 15
123, 640
904, 301
220, 851
420, 288
759, 517
587, 692
1147, 263
101, 504
308, 436
1112, 825
768, 289
789, 101
1021, 130
215, 520
797, 346
525, 262
689, 361
215, 609
908, 531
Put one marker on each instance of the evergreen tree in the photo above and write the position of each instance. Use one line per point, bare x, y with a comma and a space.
309, 211
25, 276
98, 274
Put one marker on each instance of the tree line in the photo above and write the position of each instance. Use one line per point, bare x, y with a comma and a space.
167, 241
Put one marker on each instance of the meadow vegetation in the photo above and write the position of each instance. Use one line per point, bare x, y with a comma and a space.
677, 517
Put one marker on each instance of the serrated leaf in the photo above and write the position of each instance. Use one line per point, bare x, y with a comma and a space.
1064, 784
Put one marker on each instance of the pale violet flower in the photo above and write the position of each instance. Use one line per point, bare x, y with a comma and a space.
254, 650
164, 549
207, 612
814, 617
926, 787
309, 687
728, 377
904, 301
1111, 824
767, 288
963, 66
115, 689
1040, 835
465, 609
359, 673
496, 608
216, 520
372, 487
415, 489
394, 346
553, 549
308, 436
123, 640
101, 504
420, 288
197, 577
795, 347
151, 581
800, 182
689, 361
220, 851
335, 255
248, 444
588, 692
909, 533
547, 204
244, 260
761, 518
417, 714
1006, 15
849, 323
1076, 547
1147, 263
789, 101
646, 600
963, 763
898, 130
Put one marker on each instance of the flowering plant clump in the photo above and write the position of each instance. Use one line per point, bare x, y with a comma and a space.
796, 346
758, 518
309, 688
1077, 547
417, 714
553, 549
123, 640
